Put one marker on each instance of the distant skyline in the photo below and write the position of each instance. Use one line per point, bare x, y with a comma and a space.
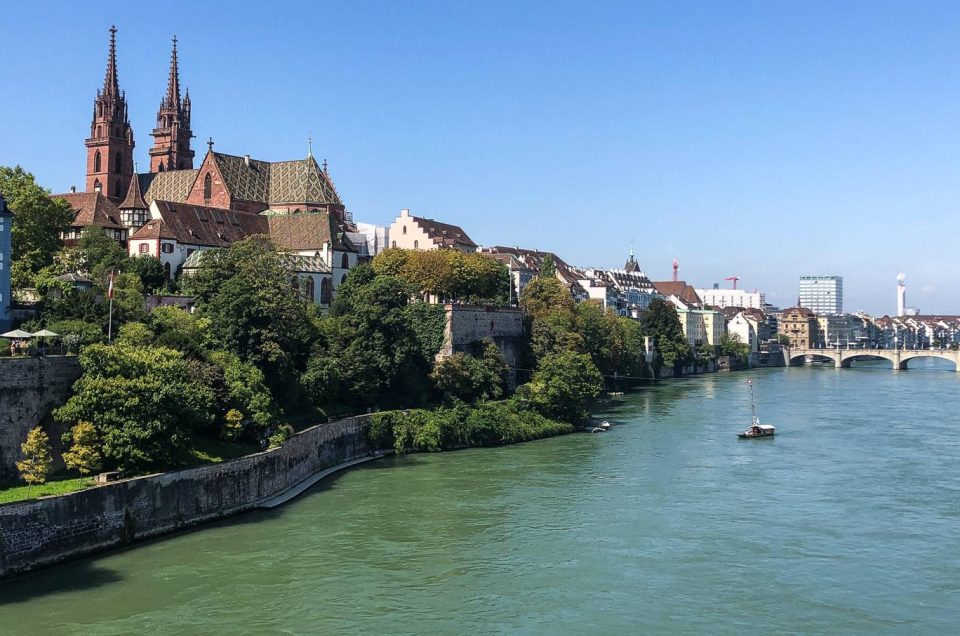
757, 139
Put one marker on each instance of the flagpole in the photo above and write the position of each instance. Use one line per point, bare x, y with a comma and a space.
110, 318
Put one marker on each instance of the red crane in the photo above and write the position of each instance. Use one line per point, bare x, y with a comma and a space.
734, 279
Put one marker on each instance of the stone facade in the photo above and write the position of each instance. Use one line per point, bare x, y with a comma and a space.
468, 324
30, 388
49, 530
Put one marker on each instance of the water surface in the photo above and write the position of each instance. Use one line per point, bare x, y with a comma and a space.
847, 522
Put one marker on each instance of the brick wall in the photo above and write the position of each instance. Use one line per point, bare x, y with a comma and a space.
50, 530
29, 389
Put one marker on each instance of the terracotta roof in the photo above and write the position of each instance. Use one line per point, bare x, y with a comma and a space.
444, 234
92, 209
201, 225
307, 231
173, 185
801, 311
533, 260
679, 288
134, 200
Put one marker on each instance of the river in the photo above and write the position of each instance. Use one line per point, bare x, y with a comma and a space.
848, 521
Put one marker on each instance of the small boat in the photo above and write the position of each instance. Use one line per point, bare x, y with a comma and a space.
756, 429
605, 424
598, 429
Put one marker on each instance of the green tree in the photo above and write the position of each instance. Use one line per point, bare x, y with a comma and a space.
246, 389
135, 334
546, 295
84, 454
254, 310
233, 425
77, 333
39, 221
730, 345
149, 270
144, 402
37, 457
179, 329
563, 386
468, 379
662, 322
548, 268
100, 254
379, 356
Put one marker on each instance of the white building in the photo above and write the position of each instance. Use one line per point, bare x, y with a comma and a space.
175, 231
746, 328
823, 295
732, 298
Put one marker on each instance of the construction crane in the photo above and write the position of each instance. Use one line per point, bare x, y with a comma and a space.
734, 279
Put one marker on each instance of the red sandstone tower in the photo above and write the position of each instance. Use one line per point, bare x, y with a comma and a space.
171, 137
110, 145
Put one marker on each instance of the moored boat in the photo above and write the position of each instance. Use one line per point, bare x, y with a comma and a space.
756, 429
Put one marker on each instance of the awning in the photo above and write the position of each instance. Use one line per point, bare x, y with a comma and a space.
16, 333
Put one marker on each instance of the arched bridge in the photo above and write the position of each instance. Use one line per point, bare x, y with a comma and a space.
843, 357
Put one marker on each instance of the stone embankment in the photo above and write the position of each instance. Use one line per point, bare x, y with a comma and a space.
46, 531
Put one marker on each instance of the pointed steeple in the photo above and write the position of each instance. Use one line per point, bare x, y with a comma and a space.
171, 146
111, 86
134, 199
173, 83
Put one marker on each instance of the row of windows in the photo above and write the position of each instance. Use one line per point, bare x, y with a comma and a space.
416, 244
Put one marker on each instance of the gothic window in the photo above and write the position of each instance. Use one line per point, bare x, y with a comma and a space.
166, 270
325, 291
207, 186
345, 262
96, 162
160, 167
118, 163
99, 131
309, 289
343, 279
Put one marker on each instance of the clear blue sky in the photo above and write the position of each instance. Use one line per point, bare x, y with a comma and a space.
764, 139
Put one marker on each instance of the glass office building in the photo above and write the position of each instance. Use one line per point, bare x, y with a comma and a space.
822, 294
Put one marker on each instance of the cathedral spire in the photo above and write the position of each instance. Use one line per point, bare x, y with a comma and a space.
173, 83
110, 84
171, 146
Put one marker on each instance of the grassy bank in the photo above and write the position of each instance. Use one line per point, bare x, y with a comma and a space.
488, 424
56, 486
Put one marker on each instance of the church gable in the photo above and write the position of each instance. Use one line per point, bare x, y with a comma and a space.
300, 181
210, 188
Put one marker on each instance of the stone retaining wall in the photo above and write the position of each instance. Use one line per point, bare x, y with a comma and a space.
49, 530
29, 389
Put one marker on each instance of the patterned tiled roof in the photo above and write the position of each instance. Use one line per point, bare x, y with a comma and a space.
300, 181
167, 186
92, 208
295, 262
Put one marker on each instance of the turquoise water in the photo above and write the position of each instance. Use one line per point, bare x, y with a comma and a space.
847, 522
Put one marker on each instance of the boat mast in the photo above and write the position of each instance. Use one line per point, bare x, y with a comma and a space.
753, 406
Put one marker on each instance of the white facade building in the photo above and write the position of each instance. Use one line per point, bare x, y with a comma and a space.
823, 295
732, 298
417, 233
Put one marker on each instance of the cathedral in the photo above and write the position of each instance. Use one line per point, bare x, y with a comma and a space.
176, 209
